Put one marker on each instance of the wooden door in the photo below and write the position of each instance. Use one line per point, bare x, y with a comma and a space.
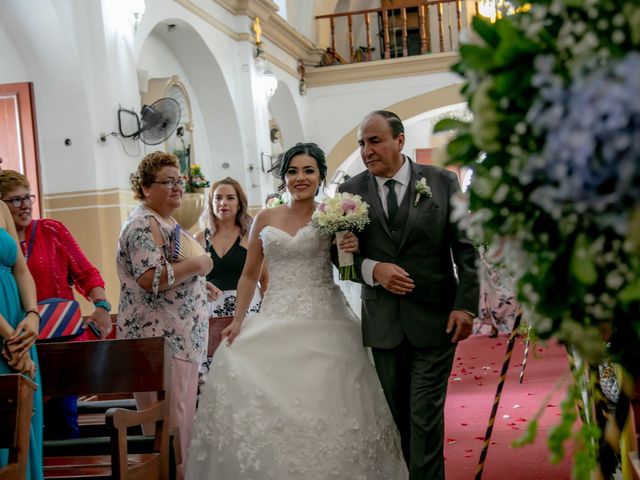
18, 135
424, 156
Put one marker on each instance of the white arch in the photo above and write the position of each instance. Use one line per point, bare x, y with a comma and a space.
285, 112
217, 127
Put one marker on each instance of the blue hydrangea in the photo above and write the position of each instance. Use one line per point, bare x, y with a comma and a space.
590, 162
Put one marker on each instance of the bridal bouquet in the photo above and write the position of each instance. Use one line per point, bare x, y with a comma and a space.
554, 146
335, 217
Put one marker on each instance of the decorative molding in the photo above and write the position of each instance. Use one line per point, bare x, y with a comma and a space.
281, 65
251, 8
214, 22
381, 69
283, 35
274, 27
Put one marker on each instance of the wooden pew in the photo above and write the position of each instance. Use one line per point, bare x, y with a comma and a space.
16, 407
110, 367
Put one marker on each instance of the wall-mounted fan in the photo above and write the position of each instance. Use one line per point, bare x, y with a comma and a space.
156, 121
271, 163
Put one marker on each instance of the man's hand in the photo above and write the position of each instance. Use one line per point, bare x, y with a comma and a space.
461, 323
393, 278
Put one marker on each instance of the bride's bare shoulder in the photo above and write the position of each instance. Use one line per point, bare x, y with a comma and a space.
269, 216
263, 219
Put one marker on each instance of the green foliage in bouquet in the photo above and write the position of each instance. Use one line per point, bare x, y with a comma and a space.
554, 145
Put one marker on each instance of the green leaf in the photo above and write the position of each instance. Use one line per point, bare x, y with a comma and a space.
582, 267
631, 292
486, 30
477, 58
529, 437
447, 124
513, 45
509, 82
459, 147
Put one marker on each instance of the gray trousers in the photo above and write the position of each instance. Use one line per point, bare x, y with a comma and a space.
414, 381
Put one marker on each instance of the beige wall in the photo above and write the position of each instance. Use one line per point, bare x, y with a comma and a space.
94, 218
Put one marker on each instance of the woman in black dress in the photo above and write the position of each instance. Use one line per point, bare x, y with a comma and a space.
225, 236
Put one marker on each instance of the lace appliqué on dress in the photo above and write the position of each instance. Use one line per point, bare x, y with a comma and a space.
305, 444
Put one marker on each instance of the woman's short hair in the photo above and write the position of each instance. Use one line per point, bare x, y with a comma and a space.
147, 170
310, 149
10, 180
243, 220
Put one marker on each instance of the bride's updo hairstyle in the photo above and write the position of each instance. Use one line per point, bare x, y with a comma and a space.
310, 149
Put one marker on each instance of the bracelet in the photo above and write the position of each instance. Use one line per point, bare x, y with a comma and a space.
37, 313
102, 303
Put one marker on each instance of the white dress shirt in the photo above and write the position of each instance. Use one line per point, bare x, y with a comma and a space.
402, 178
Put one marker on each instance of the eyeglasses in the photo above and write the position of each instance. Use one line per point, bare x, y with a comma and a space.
17, 202
171, 183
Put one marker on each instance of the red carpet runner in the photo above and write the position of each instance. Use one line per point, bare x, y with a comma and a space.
472, 387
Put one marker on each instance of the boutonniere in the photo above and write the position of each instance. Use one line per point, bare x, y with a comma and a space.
421, 189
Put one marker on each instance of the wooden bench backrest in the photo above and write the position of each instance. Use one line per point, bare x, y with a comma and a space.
16, 407
106, 366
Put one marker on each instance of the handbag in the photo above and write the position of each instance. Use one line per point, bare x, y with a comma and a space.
59, 318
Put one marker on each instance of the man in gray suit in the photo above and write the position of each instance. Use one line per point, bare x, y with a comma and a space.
420, 286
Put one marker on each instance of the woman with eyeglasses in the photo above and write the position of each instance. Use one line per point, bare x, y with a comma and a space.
58, 266
160, 296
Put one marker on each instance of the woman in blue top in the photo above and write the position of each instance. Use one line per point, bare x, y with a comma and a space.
18, 331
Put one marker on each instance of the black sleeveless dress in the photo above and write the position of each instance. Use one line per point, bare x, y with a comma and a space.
225, 275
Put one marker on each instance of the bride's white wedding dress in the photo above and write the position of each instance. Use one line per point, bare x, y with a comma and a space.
295, 396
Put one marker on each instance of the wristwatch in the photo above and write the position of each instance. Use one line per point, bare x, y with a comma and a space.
103, 303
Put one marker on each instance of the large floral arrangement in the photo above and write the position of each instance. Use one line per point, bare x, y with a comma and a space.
336, 216
196, 180
554, 145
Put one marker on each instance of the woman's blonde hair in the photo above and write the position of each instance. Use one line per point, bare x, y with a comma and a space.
147, 170
243, 220
10, 180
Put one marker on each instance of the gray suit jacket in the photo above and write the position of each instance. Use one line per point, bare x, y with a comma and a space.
430, 245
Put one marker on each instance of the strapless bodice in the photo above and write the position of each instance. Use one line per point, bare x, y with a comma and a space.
300, 276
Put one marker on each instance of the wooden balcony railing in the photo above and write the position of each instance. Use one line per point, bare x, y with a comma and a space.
425, 27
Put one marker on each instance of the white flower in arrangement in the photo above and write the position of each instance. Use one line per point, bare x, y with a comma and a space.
421, 189
343, 212
275, 201
335, 217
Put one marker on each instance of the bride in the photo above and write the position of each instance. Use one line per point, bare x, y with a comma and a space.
293, 394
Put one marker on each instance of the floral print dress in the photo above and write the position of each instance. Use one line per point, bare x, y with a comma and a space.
178, 313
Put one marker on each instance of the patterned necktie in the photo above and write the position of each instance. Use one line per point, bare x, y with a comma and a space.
392, 200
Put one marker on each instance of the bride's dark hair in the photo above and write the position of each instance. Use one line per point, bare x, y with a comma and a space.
310, 149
